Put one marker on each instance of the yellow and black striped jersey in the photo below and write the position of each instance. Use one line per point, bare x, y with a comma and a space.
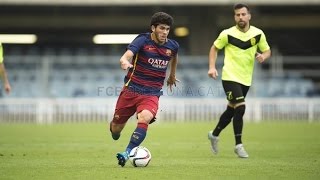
240, 49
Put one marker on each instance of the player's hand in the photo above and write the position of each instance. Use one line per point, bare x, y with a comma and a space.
125, 64
213, 73
260, 57
7, 88
172, 81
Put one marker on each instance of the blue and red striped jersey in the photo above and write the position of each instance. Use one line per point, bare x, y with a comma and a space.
150, 63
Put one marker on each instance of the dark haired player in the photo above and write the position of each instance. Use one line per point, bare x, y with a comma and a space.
240, 44
146, 59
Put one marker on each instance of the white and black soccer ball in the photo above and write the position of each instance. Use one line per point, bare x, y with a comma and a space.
140, 156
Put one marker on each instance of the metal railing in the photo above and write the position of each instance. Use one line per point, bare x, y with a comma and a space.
47, 111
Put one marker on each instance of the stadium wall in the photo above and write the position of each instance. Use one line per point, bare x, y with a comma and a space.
48, 111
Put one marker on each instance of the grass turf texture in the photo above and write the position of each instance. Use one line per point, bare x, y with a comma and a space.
179, 151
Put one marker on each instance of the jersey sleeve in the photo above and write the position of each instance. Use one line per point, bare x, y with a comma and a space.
137, 43
1, 53
175, 46
263, 44
222, 40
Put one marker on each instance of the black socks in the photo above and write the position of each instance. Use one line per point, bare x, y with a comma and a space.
224, 120
238, 122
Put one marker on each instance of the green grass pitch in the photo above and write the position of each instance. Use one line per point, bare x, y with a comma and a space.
179, 151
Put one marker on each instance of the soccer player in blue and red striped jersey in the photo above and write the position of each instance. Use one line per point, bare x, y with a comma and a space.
146, 59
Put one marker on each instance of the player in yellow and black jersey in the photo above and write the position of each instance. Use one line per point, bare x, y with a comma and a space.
241, 44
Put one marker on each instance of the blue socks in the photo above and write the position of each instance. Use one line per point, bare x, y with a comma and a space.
137, 136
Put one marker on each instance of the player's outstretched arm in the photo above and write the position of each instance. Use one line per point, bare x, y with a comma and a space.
125, 60
4, 78
172, 76
213, 53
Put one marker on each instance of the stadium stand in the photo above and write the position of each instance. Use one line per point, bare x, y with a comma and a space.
80, 72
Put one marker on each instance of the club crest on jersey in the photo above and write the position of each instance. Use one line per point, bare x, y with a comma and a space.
158, 63
168, 52
253, 41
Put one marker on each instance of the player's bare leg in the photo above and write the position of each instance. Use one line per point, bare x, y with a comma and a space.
116, 129
145, 117
139, 134
137, 137
154, 119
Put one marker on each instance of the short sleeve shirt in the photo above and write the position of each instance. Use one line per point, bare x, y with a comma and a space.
150, 63
240, 49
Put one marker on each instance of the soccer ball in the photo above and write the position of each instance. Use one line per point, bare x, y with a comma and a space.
140, 156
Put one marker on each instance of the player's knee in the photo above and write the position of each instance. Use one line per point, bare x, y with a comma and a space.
240, 110
118, 123
145, 117
117, 119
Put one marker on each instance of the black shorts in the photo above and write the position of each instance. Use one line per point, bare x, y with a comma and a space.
235, 92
